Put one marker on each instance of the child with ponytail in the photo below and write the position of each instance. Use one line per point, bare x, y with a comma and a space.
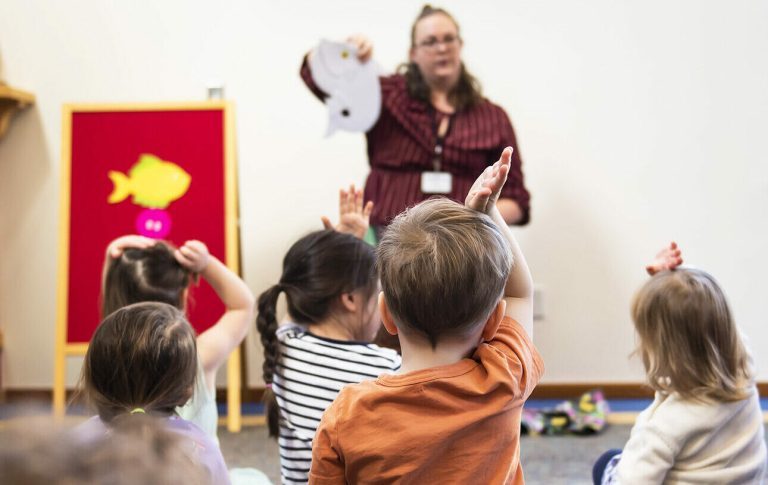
142, 362
141, 269
331, 288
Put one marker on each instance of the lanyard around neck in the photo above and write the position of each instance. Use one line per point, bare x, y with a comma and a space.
440, 130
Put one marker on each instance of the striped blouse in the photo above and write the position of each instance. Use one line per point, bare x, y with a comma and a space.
310, 373
401, 146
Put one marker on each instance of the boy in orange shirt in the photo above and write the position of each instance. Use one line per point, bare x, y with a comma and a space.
457, 292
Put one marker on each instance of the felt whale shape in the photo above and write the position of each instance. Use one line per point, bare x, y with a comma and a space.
354, 92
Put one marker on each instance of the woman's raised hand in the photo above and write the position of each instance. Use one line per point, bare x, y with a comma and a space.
363, 46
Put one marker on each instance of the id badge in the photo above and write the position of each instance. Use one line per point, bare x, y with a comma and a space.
436, 182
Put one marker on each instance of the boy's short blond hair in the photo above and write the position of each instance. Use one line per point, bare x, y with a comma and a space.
443, 268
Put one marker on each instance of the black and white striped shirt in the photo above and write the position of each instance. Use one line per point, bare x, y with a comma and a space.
311, 372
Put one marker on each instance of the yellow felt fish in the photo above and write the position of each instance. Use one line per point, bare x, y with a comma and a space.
153, 182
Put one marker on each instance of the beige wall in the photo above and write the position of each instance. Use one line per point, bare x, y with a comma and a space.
638, 122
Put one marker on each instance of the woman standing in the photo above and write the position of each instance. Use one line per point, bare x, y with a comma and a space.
436, 131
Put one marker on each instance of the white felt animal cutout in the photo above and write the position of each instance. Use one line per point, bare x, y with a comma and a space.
354, 100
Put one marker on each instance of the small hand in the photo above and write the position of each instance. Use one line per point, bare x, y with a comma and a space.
485, 191
354, 217
363, 46
193, 255
668, 258
132, 241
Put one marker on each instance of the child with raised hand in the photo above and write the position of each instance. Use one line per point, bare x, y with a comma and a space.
705, 424
458, 293
142, 360
330, 286
140, 269
353, 214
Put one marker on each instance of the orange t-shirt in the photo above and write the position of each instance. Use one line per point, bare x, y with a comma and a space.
458, 423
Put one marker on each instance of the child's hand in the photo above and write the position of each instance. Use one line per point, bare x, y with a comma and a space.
353, 216
485, 191
193, 255
668, 258
116, 247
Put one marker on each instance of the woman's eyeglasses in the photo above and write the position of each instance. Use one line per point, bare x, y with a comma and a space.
432, 43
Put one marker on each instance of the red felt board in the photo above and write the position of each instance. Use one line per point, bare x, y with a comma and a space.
101, 141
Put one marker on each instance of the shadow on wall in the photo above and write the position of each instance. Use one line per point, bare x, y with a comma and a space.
28, 244
2, 71
26, 174
25, 169
583, 278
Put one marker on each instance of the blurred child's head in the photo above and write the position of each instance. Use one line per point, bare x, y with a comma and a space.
443, 268
325, 274
688, 340
141, 356
136, 450
151, 274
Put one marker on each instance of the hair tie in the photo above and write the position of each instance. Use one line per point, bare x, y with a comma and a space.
138, 411
269, 386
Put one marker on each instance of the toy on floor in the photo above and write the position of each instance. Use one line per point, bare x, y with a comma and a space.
586, 416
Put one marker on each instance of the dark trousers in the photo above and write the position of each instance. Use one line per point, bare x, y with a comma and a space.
601, 463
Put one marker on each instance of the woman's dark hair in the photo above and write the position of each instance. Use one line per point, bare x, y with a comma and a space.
467, 92
316, 270
151, 274
142, 356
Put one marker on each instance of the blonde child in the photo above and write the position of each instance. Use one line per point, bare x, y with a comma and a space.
330, 285
457, 291
142, 360
705, 424
140, 269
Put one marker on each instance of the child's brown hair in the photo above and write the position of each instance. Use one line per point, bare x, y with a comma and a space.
151, 274
443, 268
138, 449
689, 342
142, 356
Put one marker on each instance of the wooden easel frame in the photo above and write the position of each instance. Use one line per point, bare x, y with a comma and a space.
64, 350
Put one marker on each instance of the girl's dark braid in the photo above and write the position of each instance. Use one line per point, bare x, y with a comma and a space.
266, 323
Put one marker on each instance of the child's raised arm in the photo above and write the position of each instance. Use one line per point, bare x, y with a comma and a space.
131, 241
482, 197
216, 343
669, 258
354, 217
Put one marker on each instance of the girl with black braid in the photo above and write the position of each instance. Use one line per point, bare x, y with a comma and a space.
331, 288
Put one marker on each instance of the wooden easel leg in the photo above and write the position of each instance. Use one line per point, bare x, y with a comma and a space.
234, 414
59, 376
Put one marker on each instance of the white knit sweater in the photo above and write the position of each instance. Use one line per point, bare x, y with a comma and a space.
676, 441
